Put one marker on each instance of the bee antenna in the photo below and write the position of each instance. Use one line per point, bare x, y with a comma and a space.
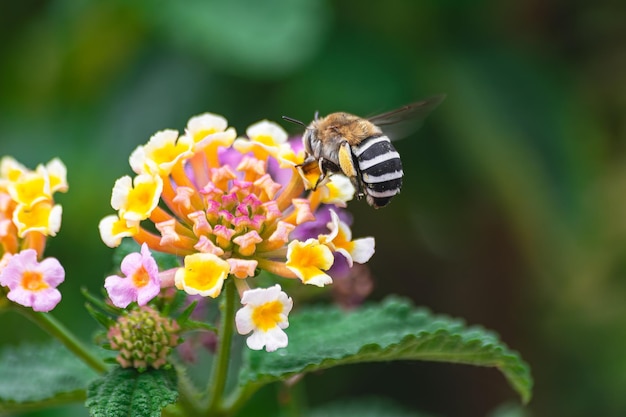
292, 120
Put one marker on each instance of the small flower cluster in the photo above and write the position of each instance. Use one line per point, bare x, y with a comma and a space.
143, 338
28, 215
231, 208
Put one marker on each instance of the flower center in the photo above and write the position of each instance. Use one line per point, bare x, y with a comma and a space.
265, 140
202, 275
33, 281
143, 194
35, 216
165, 154
201, 134
267, 315
31, 189
312, 255
141, 277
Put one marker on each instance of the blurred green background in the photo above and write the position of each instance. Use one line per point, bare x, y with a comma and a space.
513, 212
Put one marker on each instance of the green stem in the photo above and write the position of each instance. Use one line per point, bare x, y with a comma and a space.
293, 398
219, 373
240, 396
189, 403
48, 323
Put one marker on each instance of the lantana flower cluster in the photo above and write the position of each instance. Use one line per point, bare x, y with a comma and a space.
144, 338
229, 207
28, 215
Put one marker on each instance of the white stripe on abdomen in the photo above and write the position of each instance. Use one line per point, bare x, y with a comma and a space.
378, 160
373, 179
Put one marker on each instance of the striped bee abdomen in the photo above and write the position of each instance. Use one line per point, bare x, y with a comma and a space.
380, 168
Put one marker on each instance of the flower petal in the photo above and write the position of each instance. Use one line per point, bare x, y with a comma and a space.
242, 268
53, 271
338, 191
46, 300
267, 133
243, 320
363, 249
113, 230
121, 290
162, 152
308, 259
57, 173
274, 339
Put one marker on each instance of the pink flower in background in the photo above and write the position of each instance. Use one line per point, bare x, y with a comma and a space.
32, 283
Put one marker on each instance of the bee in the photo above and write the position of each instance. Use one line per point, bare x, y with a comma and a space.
361, 149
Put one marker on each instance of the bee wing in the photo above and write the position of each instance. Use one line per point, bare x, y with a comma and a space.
401, 122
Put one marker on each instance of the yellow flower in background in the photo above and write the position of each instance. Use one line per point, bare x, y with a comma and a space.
136, 198
209, 132
264, 138
113, 230
57, 174
28, 215
30, 188
161, 153
42, 217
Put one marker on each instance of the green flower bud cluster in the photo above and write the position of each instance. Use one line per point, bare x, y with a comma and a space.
143, 338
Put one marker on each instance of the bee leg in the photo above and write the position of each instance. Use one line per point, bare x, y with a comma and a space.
325, 168
305, 169
358, 187
322, 176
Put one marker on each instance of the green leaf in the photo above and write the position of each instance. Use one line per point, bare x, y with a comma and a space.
394, 330
100, 303
128, 393
186, 313
104, 320
363, 407
41, 373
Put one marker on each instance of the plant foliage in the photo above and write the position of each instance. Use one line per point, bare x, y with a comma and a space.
129, 393
325, 337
